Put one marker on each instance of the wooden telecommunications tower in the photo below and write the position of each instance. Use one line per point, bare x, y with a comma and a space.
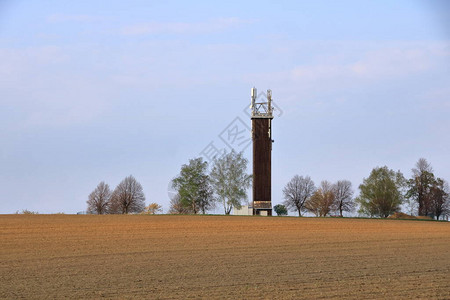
262, 116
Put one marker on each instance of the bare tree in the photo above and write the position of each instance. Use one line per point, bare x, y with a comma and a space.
128, 197
343, 194
429, 192
411, 206
439, 198
422, 165
446, 206
99, 199
297, 191
420, 186
177, 207
321, 201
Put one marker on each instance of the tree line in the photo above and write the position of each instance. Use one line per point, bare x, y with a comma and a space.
198, 189
381, 194
128, 197
301, 195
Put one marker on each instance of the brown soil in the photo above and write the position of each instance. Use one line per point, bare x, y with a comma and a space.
180, 257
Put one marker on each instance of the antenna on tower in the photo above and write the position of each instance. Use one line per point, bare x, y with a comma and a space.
254, 96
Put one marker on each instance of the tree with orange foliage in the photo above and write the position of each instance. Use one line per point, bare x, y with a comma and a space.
152, 209
321, 202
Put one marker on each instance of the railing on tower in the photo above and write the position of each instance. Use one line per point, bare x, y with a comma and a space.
263, 108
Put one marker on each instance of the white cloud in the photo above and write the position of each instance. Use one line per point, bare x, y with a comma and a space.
438, 99
15, 61
60, 86
41, 85
372, 66
59, 18
394, 62
183, 27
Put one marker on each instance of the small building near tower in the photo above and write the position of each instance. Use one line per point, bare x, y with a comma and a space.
245, 210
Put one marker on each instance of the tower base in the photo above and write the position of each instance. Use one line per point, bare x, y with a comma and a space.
262, 212
262, 208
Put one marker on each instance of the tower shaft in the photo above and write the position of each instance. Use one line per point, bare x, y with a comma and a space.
262, 178
262, 152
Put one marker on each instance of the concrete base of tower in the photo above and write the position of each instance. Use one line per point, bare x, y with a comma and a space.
262, 212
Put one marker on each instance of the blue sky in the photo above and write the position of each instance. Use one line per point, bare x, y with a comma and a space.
95, 91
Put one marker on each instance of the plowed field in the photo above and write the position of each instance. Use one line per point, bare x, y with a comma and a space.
179, 257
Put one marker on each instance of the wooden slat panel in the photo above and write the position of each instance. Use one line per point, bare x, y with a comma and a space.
262, 147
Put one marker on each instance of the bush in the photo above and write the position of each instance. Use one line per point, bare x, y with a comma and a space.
29, 212
280, 209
